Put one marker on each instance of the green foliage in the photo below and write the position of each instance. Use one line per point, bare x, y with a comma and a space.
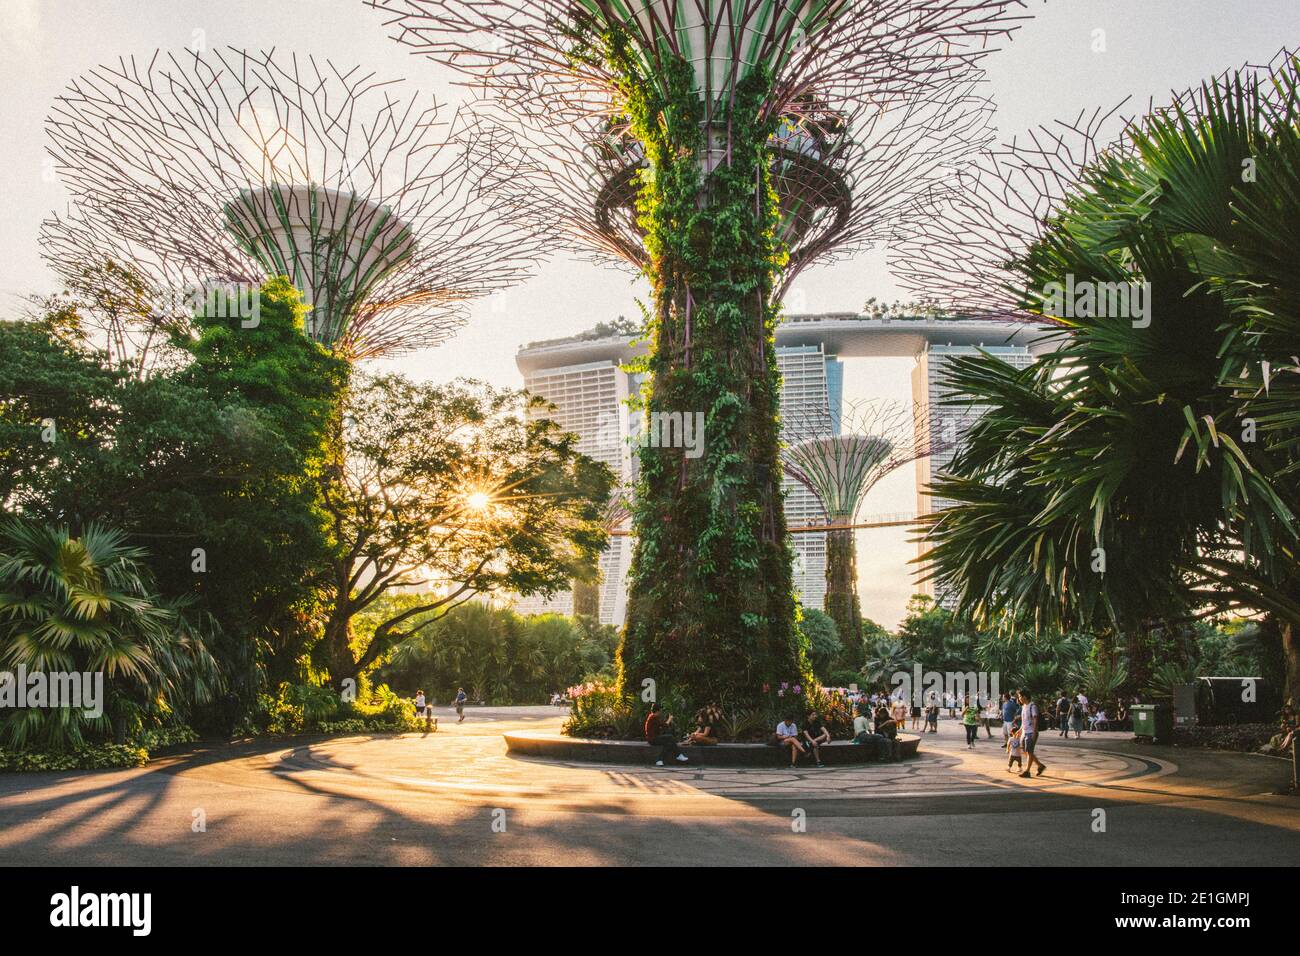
308, 708
1168, 676
822, 637
160, 738
918, 309
222, 453
886, 657
1171, 447
87, 604
501, 657
99, 757
711, 612
600, 711
403, 510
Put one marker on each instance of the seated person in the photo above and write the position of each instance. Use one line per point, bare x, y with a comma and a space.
886, 726
658, 733
1099, 721
787, 735
814, 735
864, 734
862, 728
706, 722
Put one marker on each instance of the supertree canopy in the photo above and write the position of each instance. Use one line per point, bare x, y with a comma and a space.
873, 439
235, 166
720, 146
873, 107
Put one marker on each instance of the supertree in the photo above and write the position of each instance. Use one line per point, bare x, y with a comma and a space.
957, 256
721, 146
191, 169
840, 465
960, 255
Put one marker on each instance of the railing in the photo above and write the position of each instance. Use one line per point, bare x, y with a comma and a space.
896, 519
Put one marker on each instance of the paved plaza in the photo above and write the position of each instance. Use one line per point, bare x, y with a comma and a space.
456, 797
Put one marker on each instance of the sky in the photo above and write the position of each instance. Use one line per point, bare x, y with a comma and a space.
1054, 68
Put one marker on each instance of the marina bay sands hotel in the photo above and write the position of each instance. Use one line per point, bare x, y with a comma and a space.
584, 377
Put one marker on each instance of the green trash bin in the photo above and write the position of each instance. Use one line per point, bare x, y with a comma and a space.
1154, 722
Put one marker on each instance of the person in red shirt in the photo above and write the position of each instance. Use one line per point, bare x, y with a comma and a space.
658, 733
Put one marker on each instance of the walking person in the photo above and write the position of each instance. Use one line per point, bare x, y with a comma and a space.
1014, 750
1078, 714
970, 718
461, 697
658, 733
898, 710
932, 715
1063, 714
1010, 710
423, 709
1029, 734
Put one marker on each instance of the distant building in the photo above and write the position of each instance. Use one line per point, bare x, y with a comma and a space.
948, 424
584, 378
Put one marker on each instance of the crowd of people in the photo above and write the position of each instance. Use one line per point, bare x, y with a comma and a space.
878, 717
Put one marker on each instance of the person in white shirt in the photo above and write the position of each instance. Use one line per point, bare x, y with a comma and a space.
1029, 734
899, 712
423, 709
787, 735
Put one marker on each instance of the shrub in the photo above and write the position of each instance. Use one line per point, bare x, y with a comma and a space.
599, 711
306, 708
100, 757
1245, 738
744, 724
162, 737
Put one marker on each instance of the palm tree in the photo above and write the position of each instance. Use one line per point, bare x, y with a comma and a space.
86, 604
1101, 679
1039, 679
885, 658
1138, 476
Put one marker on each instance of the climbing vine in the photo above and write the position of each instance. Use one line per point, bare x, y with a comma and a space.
711, 614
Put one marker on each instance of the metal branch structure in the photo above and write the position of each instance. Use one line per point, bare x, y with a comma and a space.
720, 147
877, 106
191, 169
959, 255
840, 464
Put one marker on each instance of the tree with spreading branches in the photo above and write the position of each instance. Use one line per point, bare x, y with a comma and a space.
449, 492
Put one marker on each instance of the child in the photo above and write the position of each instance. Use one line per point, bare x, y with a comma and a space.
1013, 749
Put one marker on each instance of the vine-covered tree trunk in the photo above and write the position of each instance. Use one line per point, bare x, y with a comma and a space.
842, 587
1291, 654
586, 597
711, 606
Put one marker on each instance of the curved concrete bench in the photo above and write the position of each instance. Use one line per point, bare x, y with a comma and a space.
527, 743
